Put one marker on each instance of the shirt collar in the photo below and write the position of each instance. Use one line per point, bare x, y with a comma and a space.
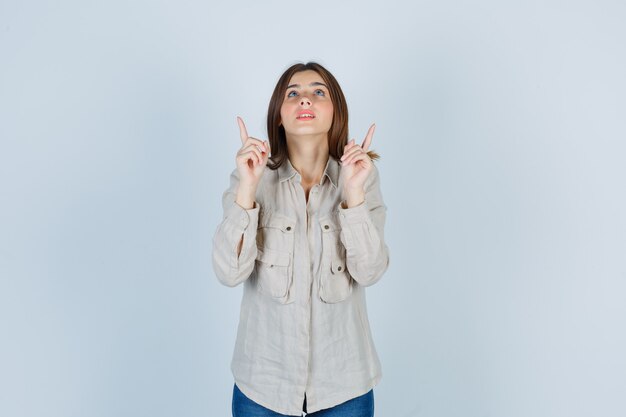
287, 171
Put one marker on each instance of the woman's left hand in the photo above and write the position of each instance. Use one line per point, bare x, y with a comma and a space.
355, 167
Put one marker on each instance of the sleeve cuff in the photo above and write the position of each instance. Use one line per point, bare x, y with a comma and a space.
356, 214
242, 218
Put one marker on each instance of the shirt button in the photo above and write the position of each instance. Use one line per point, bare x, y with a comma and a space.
326, 227
288, 228
338, 268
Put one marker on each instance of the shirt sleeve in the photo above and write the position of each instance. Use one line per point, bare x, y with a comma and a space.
362, 234
230, 268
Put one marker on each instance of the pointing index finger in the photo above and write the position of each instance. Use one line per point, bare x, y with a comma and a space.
368, 138
243, 132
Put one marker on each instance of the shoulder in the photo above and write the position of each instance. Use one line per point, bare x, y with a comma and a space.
270, 177
373, 179
269, 184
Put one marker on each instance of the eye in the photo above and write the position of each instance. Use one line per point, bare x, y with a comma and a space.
320, 92
292, 93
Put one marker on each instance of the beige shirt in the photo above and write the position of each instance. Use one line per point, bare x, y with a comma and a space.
303, 324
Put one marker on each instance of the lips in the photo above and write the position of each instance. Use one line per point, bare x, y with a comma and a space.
305, 115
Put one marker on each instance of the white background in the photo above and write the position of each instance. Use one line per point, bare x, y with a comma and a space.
502, 130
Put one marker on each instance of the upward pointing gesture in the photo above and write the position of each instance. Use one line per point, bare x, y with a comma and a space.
356, 165
251, 157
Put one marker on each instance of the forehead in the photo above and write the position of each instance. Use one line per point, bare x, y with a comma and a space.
304, 78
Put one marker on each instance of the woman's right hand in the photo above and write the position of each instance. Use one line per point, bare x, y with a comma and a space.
251, 161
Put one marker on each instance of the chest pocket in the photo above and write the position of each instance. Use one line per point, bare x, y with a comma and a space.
335, 283
274, 261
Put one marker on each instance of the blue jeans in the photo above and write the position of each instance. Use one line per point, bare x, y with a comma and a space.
362, 406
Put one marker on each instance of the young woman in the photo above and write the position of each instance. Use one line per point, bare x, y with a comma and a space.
303, 229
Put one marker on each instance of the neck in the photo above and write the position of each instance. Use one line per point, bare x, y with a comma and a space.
308, 155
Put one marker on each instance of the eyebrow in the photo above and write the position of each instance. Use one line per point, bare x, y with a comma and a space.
312, 84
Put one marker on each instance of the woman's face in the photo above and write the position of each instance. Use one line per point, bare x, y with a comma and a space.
307, 108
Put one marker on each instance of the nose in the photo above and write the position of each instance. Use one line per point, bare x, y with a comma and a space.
305, 102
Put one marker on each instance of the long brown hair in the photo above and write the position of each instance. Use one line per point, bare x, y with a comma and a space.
338, 133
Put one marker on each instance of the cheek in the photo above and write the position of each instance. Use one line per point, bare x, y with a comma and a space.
286, 108
283, 113
328, 109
